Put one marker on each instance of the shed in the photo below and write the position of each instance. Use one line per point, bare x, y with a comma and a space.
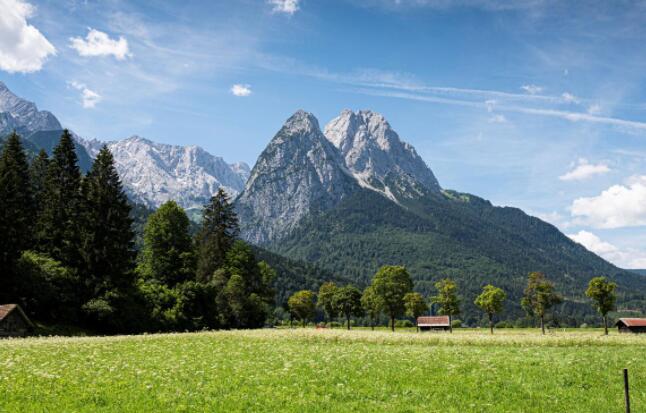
434, 323
631, 325
13, 321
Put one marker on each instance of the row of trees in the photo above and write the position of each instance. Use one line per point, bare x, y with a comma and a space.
67, 253
391, 293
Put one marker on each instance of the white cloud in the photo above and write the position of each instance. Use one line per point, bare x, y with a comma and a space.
616, 207
570, 98
630, 258
89, 98
23, 48
284, 6
241, 90
498, 118
594, 109
97, 43
532, 89
584, 170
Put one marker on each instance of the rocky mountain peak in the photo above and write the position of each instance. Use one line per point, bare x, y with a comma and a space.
377, 157
23, 115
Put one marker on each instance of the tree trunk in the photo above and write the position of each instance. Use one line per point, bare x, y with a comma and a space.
450, 324
372, 324
491, 323
348, 317
605, 323
542, 324
392, 323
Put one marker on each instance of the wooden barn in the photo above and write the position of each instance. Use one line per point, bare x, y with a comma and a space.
434, 323
13, 321
631, 325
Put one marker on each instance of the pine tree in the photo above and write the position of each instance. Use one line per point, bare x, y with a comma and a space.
216, 236
38, 173
107, 236
58, 228
16, 212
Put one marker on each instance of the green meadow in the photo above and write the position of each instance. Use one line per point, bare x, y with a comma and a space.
308, 370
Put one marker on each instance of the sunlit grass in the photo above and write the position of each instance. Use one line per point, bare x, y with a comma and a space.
301, 370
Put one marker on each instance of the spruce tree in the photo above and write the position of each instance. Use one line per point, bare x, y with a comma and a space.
107, 237
38, 174
216, 236
16, 212
58, 228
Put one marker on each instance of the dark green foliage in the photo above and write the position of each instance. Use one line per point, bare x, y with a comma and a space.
107, 248
302, 306
346, 301
38, 175
58, 226
325, 299
217, 234
602, 292
447, 298
415, 305
167, 255
16, 213
372, 305
458, 236
540, 295
391, 283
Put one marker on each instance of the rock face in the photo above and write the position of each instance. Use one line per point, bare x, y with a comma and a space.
22, 115
153, 173
299, 172
378, 159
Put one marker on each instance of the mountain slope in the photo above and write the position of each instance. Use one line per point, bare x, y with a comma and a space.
435, 233
22, 115
298, 173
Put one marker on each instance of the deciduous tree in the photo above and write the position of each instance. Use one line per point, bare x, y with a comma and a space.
447, 298
302, 306
540, 295
372, 305
347, 301
491, 301
325, 299
391, 283
602, 292
415, 306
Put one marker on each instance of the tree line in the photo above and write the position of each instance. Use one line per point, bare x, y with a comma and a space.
391, 293
67, 252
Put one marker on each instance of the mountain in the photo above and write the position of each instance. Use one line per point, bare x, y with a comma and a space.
393, 211
378, 159
299, 173
39, 129
153, 173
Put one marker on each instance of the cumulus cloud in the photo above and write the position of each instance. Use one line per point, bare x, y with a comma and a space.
284, 6
241, 90
89, 98
23, 48
532, 89
616, 207
625, 259
584, 170
98, 43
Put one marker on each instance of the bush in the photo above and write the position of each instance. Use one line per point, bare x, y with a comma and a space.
334, 324
504, 324
456, 323
404, 323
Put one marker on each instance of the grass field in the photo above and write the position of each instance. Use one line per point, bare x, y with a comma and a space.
307, 370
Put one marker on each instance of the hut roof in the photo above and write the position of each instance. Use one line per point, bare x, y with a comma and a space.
632, 322
6, 309
433, 321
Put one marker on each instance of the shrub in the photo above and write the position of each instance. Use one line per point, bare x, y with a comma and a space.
456, 323
404, 323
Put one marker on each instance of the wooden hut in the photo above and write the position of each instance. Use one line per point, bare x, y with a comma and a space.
434, 323
631, 325
13, 321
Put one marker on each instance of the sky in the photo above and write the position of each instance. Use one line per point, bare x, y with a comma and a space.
539, 105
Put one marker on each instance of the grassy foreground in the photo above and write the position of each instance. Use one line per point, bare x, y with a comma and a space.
306, 370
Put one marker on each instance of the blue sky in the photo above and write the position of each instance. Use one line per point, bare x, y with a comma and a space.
539, 105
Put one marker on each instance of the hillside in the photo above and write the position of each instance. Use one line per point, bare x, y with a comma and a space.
395, 212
